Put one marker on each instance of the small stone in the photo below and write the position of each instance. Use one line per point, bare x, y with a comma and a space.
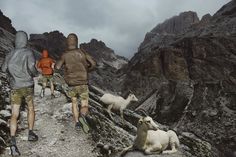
213, 113
7, 100
5, 113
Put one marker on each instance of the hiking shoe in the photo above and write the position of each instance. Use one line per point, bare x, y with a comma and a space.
32, 136
14, 150
84, 124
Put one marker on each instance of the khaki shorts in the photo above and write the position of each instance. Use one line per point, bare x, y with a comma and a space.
81, 90
47, 79
18, 94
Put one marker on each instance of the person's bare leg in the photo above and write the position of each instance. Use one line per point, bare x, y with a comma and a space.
52, 88
31, 119
84, 107
42, 94
84, 114
13, 127
75, 109
31, 114
14, 115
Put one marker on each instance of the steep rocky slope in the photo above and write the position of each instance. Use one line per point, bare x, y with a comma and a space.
187, 79
6, 24
6, 44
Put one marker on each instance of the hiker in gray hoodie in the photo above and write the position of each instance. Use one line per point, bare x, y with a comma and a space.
20, 65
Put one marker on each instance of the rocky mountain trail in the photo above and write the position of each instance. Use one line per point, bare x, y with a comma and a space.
56, 130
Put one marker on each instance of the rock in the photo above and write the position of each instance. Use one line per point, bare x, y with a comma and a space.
5, 113
3, 122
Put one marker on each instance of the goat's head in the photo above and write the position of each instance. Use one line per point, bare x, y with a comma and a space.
147, 123
132, 97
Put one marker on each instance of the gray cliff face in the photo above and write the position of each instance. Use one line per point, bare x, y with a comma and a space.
6, 24
6, 44
187, 79
177, 24
107, 75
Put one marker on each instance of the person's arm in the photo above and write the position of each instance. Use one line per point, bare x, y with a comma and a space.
31, 64
5, 64
38, 65
53, 64
60, 62
91, 62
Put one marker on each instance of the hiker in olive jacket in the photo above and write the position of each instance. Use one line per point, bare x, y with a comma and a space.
77, 63
20, 65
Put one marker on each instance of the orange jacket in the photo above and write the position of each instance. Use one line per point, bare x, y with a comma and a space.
45, 64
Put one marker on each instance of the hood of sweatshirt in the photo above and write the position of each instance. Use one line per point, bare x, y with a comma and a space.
21, 40
72, 41
45, 54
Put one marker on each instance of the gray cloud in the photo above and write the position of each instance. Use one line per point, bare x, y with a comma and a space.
121, 24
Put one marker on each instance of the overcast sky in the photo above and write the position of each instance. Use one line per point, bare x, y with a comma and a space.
121, 24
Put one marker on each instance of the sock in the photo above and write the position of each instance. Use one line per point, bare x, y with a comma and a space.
30, 131
13, 140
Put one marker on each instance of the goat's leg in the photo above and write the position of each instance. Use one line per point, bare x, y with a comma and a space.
173, 149
125, 150
173, 142
122, 115
109, 111
155, 149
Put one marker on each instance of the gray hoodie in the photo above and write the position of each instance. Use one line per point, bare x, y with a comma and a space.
20, 63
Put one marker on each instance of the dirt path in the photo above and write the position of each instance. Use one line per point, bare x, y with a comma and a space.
55, 128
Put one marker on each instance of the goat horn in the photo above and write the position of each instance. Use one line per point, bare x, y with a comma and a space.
131, 91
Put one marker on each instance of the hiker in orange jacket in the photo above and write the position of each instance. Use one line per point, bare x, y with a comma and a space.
46, 66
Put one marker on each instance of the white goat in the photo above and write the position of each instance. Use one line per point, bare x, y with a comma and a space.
117, 103
151, 140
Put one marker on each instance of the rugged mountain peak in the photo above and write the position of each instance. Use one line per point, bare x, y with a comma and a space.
6, 23
95, 44
54, 42
163, 33
228, 9
206, 18
103, 54
177, 24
